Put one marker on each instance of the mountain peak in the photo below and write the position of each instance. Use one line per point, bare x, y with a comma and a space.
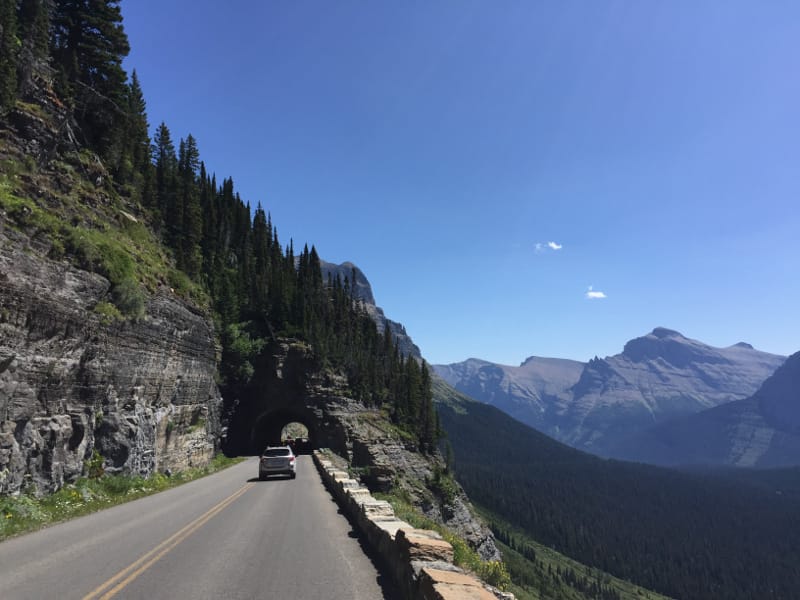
669, 345
663, 332
744, 345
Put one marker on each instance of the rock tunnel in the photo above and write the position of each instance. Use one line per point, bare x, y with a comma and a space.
268, 426
285, 389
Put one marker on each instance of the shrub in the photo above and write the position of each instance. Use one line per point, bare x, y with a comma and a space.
108, 313
129, 298
95, 466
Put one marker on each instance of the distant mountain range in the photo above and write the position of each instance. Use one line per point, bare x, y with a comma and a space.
760, 431
605, 405
666, 399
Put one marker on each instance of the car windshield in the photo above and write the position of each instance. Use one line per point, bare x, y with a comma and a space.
277, 452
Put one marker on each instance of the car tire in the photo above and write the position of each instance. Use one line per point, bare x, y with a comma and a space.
262, 477
293, 475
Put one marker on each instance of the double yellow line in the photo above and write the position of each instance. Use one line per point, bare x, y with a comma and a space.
111, 587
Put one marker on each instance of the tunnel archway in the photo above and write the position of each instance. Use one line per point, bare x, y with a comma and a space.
268, 427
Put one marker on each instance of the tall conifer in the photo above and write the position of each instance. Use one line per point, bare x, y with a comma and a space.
9, 53
88, 45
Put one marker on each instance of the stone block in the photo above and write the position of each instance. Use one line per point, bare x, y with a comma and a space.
392, 526
377, 508
421, 544
436, 584
360, 495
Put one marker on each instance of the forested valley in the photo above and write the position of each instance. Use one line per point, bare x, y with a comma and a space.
698, 534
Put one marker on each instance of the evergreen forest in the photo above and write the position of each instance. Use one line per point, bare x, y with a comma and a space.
226, 253
698, 534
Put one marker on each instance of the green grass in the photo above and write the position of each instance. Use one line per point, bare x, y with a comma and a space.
102, 237
25, 513
381, 420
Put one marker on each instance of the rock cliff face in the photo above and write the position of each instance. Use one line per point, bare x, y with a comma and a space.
142, 393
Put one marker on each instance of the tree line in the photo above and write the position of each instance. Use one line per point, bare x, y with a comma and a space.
259, 288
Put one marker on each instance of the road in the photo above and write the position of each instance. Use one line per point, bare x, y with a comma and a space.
224, 536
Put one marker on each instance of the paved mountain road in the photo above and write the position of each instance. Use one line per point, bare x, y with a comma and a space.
224, 536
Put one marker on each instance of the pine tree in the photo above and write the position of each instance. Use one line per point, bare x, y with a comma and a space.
262, 238
34, 23
9, 43
427, 423
190, 230
166, 165
88, 45
134, 166
34, 33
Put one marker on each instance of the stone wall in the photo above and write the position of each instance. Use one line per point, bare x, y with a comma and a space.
421, 562
140, 393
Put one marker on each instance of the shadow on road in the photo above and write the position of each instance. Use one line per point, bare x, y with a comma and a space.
387, 584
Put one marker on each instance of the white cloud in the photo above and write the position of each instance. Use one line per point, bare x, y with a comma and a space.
540, 247
591, 294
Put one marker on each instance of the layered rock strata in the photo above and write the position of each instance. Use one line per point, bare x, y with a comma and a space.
140, 393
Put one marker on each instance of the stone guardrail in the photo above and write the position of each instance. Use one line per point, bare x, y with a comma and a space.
421, 562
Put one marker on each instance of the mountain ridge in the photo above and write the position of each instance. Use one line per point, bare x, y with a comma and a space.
657, 377
762, 430
363, 292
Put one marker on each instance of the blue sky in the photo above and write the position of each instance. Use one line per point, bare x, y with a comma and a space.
441, 146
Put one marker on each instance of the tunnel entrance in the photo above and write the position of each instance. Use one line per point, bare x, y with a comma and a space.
283, 427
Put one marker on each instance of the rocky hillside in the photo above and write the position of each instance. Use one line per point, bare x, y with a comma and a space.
760, 431
364, 293
657, 377
98, 353
290, 386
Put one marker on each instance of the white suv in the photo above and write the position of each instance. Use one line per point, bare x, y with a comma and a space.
277, 460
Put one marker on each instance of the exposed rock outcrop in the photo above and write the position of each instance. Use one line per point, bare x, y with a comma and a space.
141, 393
290, 388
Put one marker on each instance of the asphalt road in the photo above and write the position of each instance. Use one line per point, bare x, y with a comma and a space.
224, 536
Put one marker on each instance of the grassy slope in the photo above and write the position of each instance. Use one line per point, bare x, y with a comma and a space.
71, 207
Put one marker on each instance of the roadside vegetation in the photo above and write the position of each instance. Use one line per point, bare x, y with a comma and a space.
25, 513
493, 572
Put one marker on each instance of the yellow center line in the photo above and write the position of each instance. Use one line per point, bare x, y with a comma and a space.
147, 560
